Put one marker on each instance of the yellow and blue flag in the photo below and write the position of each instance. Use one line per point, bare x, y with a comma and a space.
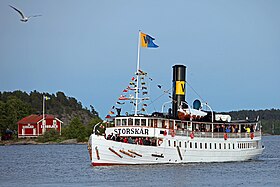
147, 41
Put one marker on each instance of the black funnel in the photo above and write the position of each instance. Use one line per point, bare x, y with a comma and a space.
179, 80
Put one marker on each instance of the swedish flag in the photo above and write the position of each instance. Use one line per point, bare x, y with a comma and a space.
147, 41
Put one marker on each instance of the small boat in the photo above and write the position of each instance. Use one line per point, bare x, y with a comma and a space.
183, 134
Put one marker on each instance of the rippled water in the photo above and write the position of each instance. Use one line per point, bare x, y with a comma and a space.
69, 165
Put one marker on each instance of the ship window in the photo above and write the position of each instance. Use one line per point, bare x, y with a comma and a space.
180, 144
124, 121
171, 124
190, 144
220, 145
185, 144
195, 145
215, 146
137, 122
174, 143
150, 121
210, 146
200, 145
169, 143
143, 122
225, 145
130, 121
205, 145
118, 122
233, 146
228, 145
163, 124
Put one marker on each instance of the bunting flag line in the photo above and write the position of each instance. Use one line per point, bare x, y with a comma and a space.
147, 41
123, 98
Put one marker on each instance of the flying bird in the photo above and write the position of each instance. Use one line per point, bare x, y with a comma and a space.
23, 17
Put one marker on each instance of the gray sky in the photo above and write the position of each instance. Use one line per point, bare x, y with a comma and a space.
88, 49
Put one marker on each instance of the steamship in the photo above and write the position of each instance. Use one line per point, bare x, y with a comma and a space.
185, 133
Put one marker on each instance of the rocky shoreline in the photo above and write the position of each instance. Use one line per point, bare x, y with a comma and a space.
32, 142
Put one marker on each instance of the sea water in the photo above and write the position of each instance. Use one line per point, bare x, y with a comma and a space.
69, 165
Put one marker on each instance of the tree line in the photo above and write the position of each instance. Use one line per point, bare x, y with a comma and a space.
78, 121
270, 119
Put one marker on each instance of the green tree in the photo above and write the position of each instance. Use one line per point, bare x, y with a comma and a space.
11, 112
51, 135
75, 130
92, 123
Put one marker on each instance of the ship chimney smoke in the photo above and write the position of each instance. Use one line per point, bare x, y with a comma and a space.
179, 80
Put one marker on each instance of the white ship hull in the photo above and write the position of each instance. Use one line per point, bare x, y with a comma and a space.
107, 152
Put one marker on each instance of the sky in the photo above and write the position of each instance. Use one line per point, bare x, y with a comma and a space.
88, 50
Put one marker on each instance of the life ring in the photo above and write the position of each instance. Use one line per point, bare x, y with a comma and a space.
172, 132
225, 136
160, 142
192, 135
252, 135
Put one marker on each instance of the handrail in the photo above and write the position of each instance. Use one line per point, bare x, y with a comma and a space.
93, 132
217, 134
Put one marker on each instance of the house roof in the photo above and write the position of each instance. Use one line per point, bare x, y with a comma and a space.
33, 119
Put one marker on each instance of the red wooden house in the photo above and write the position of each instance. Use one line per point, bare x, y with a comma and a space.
33, 126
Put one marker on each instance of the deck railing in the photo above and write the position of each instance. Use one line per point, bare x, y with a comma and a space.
218, 134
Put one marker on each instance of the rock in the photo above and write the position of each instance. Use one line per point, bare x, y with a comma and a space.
70, 141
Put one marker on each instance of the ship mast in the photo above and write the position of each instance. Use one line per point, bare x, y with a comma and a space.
137, 76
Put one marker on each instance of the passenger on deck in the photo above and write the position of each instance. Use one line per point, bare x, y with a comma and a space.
140, 141
228, 129
113, 137
109, 136
221, 129
136, 141
118, 138
252, 129
236, 129
248, 129
154, 143
147, 141
125, 140
130, 140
